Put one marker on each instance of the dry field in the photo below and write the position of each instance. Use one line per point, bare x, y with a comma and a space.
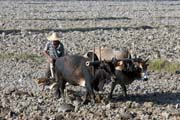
153, 27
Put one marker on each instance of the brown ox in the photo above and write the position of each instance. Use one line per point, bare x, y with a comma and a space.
73, 69
125, 68
137, 71
108, 53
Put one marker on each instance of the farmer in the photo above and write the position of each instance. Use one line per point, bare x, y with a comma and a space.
53, 50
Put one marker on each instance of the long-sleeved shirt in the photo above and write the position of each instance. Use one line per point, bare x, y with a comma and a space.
54, 52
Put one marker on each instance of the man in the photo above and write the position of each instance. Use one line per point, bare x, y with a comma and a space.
53, 50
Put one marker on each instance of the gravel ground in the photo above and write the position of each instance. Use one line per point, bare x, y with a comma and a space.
152, 26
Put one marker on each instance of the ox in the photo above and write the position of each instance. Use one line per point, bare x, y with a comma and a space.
137, 70
74, 70
125, 68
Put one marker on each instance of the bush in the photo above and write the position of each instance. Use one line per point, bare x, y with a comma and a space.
163, 65
22, 56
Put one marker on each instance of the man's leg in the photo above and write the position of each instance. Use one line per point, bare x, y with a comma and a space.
52, 70
48, 71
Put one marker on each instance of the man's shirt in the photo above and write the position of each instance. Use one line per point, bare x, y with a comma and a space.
54, 52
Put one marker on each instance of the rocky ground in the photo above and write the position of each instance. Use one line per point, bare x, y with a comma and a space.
152, 26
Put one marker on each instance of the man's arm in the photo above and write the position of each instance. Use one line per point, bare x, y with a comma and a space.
46, 54
50, 59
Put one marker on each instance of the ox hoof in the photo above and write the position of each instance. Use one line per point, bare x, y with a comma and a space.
177, 72
110, 97
127, 97
57, 96
62, 100
85, 102
106, 101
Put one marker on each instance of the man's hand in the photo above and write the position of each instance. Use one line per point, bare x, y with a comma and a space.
51, 60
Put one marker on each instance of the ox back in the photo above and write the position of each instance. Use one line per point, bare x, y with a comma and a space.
109, 54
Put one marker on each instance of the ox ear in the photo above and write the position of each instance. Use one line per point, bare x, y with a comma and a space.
131, 54
91, 55
120, 63
114, 60
146, 60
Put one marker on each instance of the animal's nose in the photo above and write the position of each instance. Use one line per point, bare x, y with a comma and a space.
145, 79
113, 77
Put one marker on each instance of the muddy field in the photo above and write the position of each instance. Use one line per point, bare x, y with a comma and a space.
153, 27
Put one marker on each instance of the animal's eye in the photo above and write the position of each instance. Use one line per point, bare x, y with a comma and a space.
135, 66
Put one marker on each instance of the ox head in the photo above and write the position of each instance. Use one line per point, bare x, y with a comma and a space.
140, 68
136, 67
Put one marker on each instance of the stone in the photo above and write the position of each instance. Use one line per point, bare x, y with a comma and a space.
166, 115
125, 115
148, 104
66, 108
177, 106
110, 106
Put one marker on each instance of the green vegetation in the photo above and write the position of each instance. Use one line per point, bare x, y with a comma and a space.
163, 65
22, 56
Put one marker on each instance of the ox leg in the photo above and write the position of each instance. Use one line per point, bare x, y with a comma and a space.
124, 90
88, 83
62, 87
112, 89
57, 92
89, 93
86, 98
92, 94
43, 87
58, 87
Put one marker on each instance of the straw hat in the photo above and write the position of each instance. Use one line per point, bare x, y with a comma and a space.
53, 37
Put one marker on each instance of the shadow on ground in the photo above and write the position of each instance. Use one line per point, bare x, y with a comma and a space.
156, 98
79, 19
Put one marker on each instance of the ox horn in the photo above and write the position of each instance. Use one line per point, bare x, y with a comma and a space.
147, 59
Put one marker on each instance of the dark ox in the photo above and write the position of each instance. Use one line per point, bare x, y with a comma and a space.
124, 76
73, 69
125, 68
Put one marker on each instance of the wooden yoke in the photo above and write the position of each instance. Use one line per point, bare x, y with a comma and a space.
127, 59
92, 63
